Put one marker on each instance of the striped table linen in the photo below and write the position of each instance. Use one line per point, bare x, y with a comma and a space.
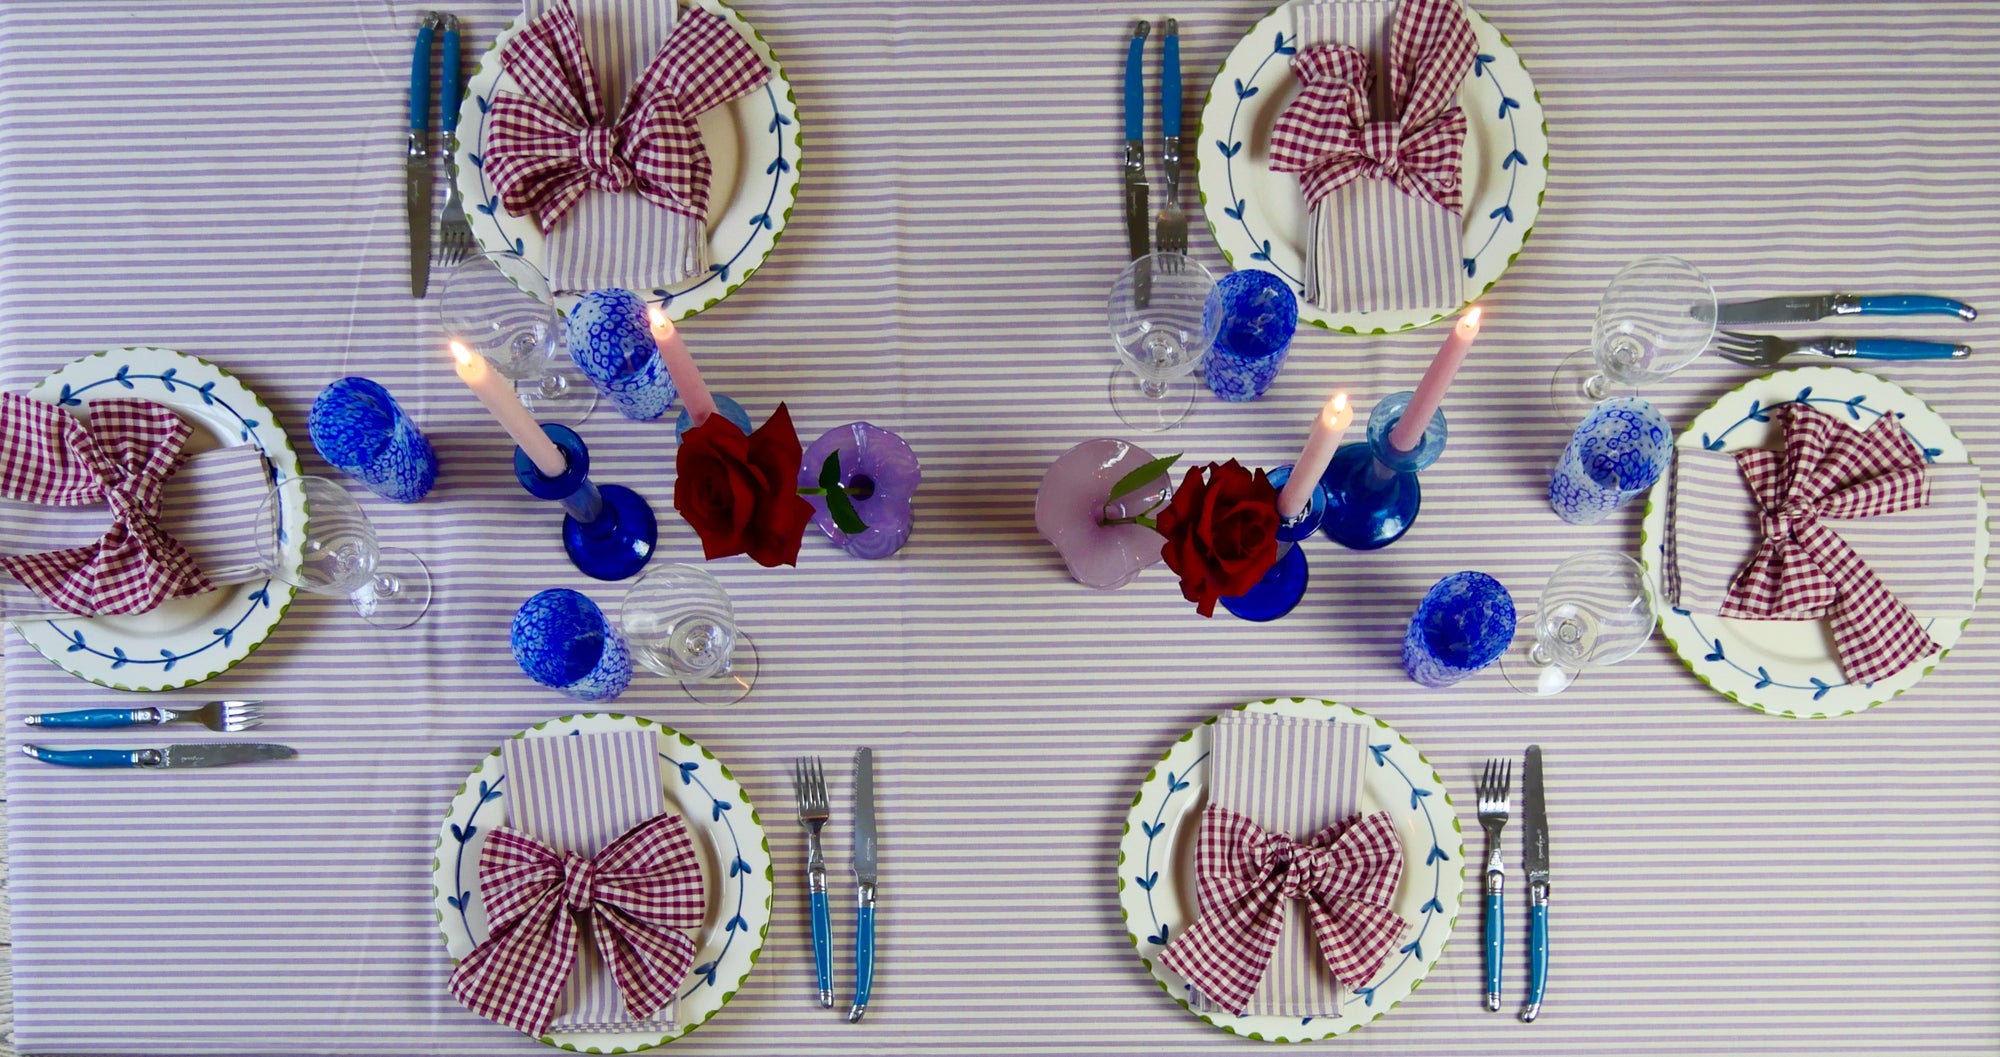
226, 179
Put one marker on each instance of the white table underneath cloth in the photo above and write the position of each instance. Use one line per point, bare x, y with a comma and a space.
226, 179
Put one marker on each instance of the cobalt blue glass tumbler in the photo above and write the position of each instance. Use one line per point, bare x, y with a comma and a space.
1259, 316
1465, 622
1281, 588
359, 429
1621, 448
1372, 495
611, 340
608, 532
562, 640
725, 407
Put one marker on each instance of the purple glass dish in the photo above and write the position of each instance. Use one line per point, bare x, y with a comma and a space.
881, 476
1071, 506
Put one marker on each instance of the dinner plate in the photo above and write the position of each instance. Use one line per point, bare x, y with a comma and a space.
1156, 880
1788, 667
728, 837
185, 640
1259, 217
754, 143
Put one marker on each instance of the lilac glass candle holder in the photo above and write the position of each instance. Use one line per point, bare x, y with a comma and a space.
563, 641
1278, 593
1372, 495
1619, 450
881, 475
608, 531
1073, 503
361, 431
1465, 622
1259, 314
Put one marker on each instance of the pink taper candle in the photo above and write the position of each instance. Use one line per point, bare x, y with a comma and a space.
498, 395
680, 364
1409, 431
1321, 443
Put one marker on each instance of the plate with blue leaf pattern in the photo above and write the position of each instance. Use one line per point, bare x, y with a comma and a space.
729, 840
754, 143
185, 640
1156, 880
1259, 217
1788, 667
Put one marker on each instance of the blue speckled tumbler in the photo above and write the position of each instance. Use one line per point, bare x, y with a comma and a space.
1259, 315
359, 429
1618, 452
1464, 623
611, 341
562, 640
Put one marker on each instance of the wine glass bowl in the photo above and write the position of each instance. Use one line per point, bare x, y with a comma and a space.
679, 623
335, 552
1656, 316
502, 307
1160, 319
1593, 612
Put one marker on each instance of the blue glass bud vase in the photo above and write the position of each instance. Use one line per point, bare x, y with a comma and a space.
1372, 496
562, 640
725, 407
359, 429
608, 531
611, 341
1281, 588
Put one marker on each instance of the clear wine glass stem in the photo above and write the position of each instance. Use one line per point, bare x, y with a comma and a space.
1153, 390
1597, 386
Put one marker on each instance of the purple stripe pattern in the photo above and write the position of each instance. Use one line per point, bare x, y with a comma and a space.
226, 179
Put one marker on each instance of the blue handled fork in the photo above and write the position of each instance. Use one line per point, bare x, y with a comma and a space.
809, 789
1493, 808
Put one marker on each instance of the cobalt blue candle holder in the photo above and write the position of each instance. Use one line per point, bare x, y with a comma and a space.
361, 430
1282, 587
1465, 622
611, 340
1259, 314
725, 407
563, 641
1372, 496
608, 531
1619, 450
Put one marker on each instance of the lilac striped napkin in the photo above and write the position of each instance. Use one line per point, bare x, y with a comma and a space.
1924, 556
1371, 247
578, 793
622, 240
1291, 775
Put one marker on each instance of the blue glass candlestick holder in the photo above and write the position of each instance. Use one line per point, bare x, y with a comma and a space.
608, 531
725, 407
1372, 496
1281, 588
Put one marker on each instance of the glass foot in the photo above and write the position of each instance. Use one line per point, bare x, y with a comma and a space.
620, 542
733, 685
400, 594
1145, 413
1527, 667
562, 395
1579, 385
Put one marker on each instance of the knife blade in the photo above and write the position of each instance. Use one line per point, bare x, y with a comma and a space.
1137, 217
172, 756
1803, 309
864, 882
417, 166
1535, 856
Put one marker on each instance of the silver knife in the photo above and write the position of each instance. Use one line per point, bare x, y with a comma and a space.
864, 882
1535, 852
1138, 218
417, 168
172, 756
1802, 309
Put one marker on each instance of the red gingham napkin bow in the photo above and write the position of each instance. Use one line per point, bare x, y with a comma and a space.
1329, 138
123, 459
1346, 875
638, 894
553, 142
1802, 569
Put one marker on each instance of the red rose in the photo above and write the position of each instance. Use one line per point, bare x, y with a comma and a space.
740, 493
1222, 533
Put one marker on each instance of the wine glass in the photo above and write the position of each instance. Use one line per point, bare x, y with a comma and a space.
1159, 316
1657, 315
501, 307
679, 623
337, 553
1593, 612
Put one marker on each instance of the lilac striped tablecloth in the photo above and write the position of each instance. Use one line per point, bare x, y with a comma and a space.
226, 179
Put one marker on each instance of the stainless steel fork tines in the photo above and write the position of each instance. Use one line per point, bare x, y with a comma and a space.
1493, 810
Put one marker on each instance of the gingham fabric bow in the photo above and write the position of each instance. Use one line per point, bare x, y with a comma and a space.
1329, 138
548, 145
639, 893
123, 459
1802, 569
1346, 874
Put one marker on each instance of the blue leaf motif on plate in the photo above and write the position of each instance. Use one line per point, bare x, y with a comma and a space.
1234, 212
1804, 394
1229, 150
122, 660
715, 813
778, 121
121, 379
1175, 783
1437, 854
1264, 253
520, 248
477, 161
490, 206
761, 220
249, 424
1505, 213
778, 165
1243, 91
1435, 906
486, 791
1513, 158
1158, 939
1471, 266
1506, 104
1417, 797
1480, 61
1381, 754
1763, 678
1823, 685
1414, 947
1152, 829
1282, 48
76, 641
484, 103
207, 392
1367, 995
167, 378
171, 657
721, 271
738, 867
458, 901
687, 771
1854, 407
1146, 881
1678, 611
1933, 453
464, 833
1716, 654
262, 595
706, 971
1711, 443
68, 398
1757, 412
737, 924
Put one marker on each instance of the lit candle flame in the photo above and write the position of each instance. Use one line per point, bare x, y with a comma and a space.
658, 317
1469, 321
462, 354
1340, 401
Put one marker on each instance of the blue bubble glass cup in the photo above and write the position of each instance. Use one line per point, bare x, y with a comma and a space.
1259, 314
361, 431
611, 340
1616, 454
563, 641
1465, 622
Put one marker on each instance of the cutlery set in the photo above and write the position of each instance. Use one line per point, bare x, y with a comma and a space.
1170, 228
1494, 808
809, 790
1764, 350
454, 234
227, 716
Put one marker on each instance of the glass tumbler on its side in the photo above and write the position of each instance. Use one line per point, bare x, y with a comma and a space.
563, 641
1616, 454
679, 623
1160, 319
1463, 624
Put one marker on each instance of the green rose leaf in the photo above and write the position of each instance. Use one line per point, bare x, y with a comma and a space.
829, 473
1131, 481
842, 508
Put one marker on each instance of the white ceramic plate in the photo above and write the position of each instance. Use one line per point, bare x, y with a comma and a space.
1156, 881
729, 839
754, 143
1788, 667
1259, 217
186, 640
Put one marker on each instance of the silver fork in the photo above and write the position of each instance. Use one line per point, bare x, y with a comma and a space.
454, 234
1493, 808
1170, 230
228, 716
1765, 350
809, 789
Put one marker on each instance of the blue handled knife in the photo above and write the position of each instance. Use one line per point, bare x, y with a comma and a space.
1803, 309
1137, 217
172, 756
417, 167
864, 882
1535, 850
